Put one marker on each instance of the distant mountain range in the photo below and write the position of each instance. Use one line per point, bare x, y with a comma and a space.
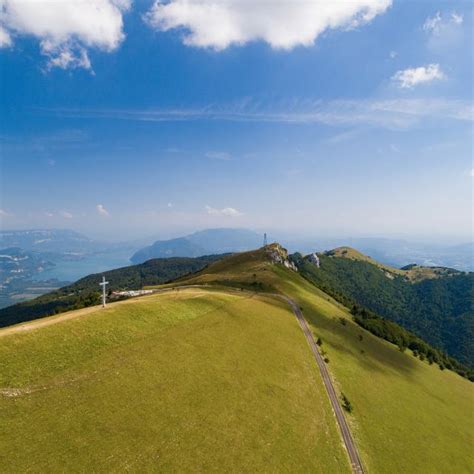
395, 252
35, 261
205, 242
47, 240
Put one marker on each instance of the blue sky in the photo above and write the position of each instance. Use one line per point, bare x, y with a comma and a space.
311, 117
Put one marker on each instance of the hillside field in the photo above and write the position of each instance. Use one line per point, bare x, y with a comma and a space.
186, 381
408, 416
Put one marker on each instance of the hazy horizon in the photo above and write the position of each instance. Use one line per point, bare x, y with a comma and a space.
337, 122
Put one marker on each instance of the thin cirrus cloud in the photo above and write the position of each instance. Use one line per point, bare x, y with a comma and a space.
224, 212
283, 24
444, 32
389, 113
437, 24
66, 30
411, 77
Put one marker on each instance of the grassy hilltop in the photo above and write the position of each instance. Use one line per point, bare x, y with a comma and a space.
220, 379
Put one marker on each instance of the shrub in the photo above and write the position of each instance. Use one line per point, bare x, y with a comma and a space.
346, 404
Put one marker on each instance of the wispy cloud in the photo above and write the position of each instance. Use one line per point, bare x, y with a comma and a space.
387, 113
102, 211
444, 32
66, 214
4, 213
437, 24
225, 212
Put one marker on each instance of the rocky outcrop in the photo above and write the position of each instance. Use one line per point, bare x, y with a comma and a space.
314, 259
279, 255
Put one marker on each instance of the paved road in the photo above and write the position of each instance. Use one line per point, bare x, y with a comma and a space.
341, 420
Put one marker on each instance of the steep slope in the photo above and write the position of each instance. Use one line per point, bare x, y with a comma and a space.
434, 303
205, 242
85, 292
189, 381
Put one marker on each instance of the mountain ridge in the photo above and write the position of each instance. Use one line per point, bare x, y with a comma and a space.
204, 242
434, 303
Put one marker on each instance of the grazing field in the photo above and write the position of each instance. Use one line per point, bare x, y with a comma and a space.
190, 380
408, 416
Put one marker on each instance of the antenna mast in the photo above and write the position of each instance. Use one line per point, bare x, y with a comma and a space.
103, 284
265, 239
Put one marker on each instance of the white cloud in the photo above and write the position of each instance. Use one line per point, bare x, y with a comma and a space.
101, 210
393, 54
49, 214
5, 38
218, 155
472, 172
170, 204
65, 29
432, 24
66, 214
283, 24
456, 18
226, 212
410, 77
437, 24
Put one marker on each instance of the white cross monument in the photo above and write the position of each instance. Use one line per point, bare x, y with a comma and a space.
103, 284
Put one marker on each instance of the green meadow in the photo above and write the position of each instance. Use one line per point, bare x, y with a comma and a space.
187, 381
408, 416
221, 379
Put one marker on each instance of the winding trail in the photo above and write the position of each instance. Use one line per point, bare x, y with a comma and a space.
351, 448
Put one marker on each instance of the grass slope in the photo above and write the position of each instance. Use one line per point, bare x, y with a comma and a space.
439, 310
408, 416
187, 381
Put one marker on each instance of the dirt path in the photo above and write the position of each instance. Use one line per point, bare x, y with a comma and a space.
341, 420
